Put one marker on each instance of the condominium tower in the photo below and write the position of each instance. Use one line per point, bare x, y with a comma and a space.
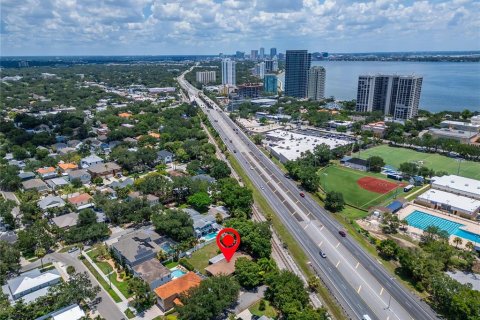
206, 76
228, 72
296, 73
393, 95
270, 83
273, 52
316, 83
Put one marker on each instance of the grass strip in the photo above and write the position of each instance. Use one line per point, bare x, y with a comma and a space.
294, 248
102, 281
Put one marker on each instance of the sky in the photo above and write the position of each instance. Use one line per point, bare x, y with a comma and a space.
165, 27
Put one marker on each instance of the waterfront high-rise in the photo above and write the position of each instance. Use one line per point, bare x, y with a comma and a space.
206, 76
316, 83
270, 83
296, 73
393, 95
273, 52
228, 72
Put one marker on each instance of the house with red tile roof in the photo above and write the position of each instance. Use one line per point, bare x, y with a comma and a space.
169, 293
81, 201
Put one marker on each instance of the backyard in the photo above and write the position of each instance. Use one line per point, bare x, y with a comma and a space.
394, 156
200, 257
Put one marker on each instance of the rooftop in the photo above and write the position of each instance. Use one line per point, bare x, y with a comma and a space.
151, 270
458, 183
453, 200
72, 312
27, 282
224, 267
453, 133
178, 285
104, 167
80, 198
67, 166
137, 244
34, 184
66, 220
46, 170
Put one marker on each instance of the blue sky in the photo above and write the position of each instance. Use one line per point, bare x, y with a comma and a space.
156, 27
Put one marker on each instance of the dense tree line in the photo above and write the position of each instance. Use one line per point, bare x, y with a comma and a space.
426, 266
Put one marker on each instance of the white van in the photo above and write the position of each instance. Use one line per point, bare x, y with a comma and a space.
366, 317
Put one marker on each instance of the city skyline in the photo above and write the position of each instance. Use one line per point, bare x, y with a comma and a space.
150, 27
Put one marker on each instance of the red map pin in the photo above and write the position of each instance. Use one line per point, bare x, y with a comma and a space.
228, 241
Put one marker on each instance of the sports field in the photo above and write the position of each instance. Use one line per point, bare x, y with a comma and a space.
394, 156
360, 189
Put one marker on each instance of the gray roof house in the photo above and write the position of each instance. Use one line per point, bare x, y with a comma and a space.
204, 177
67, 220
35, 184
27, 175
136, 247
90, 161
31, 285
51, 202
202, 223
153, 273
56, 183
81, 174
120, 183
165, 156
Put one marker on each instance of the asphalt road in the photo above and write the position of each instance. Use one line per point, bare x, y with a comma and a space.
359, 282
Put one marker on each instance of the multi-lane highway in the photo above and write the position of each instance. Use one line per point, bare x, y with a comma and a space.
359, 282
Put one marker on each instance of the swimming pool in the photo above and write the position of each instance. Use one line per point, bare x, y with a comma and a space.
422, 220
210, 236
177, 273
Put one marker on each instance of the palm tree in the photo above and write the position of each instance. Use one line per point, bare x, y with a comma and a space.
469, 245
40, 253
458, 241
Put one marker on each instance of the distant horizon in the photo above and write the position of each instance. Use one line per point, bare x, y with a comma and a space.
246, 52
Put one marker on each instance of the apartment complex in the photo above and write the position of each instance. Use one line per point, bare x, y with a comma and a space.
296, 73
270, 83
229, 75
206, 76
393, 95
316, 83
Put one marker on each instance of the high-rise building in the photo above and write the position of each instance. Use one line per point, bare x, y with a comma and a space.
273, 52
259, 70
254, 55
249, 90
271, 65
262, 53
296, 73
316, 83
240, 55
206, 76
393, 95
270, 83
228, 72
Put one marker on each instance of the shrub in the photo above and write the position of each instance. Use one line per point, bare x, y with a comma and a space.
70, 270
186, 264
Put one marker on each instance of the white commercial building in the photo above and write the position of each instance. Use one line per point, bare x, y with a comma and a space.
475, 120
259, 70
206, 76
229, 75
458, 125
286, 145
452, 203
458, 185
316, 83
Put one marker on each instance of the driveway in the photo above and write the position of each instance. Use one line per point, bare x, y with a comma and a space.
247, 298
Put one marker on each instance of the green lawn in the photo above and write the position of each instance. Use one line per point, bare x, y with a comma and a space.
200, 257
344, 180
171, 265
395, 156
269, 310
107, 269
104, 284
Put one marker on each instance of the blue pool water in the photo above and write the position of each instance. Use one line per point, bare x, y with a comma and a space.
210, 236
422, 220
176, 273
167, 247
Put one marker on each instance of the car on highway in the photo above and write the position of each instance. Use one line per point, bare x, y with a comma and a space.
234, 151
251, 168
262, 187
302, 194
342, 233
322, 254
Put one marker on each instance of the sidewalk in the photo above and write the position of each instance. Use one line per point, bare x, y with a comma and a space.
118, 292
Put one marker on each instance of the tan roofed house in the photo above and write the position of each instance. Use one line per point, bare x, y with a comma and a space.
224, 267
65, 167
169, 293
125, 115
154, 135
108, 169
81, 201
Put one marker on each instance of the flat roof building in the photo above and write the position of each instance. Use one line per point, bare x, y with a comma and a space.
449, 202
458, 185
459, 135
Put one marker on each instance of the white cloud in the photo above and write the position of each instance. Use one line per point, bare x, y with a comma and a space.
34, 27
